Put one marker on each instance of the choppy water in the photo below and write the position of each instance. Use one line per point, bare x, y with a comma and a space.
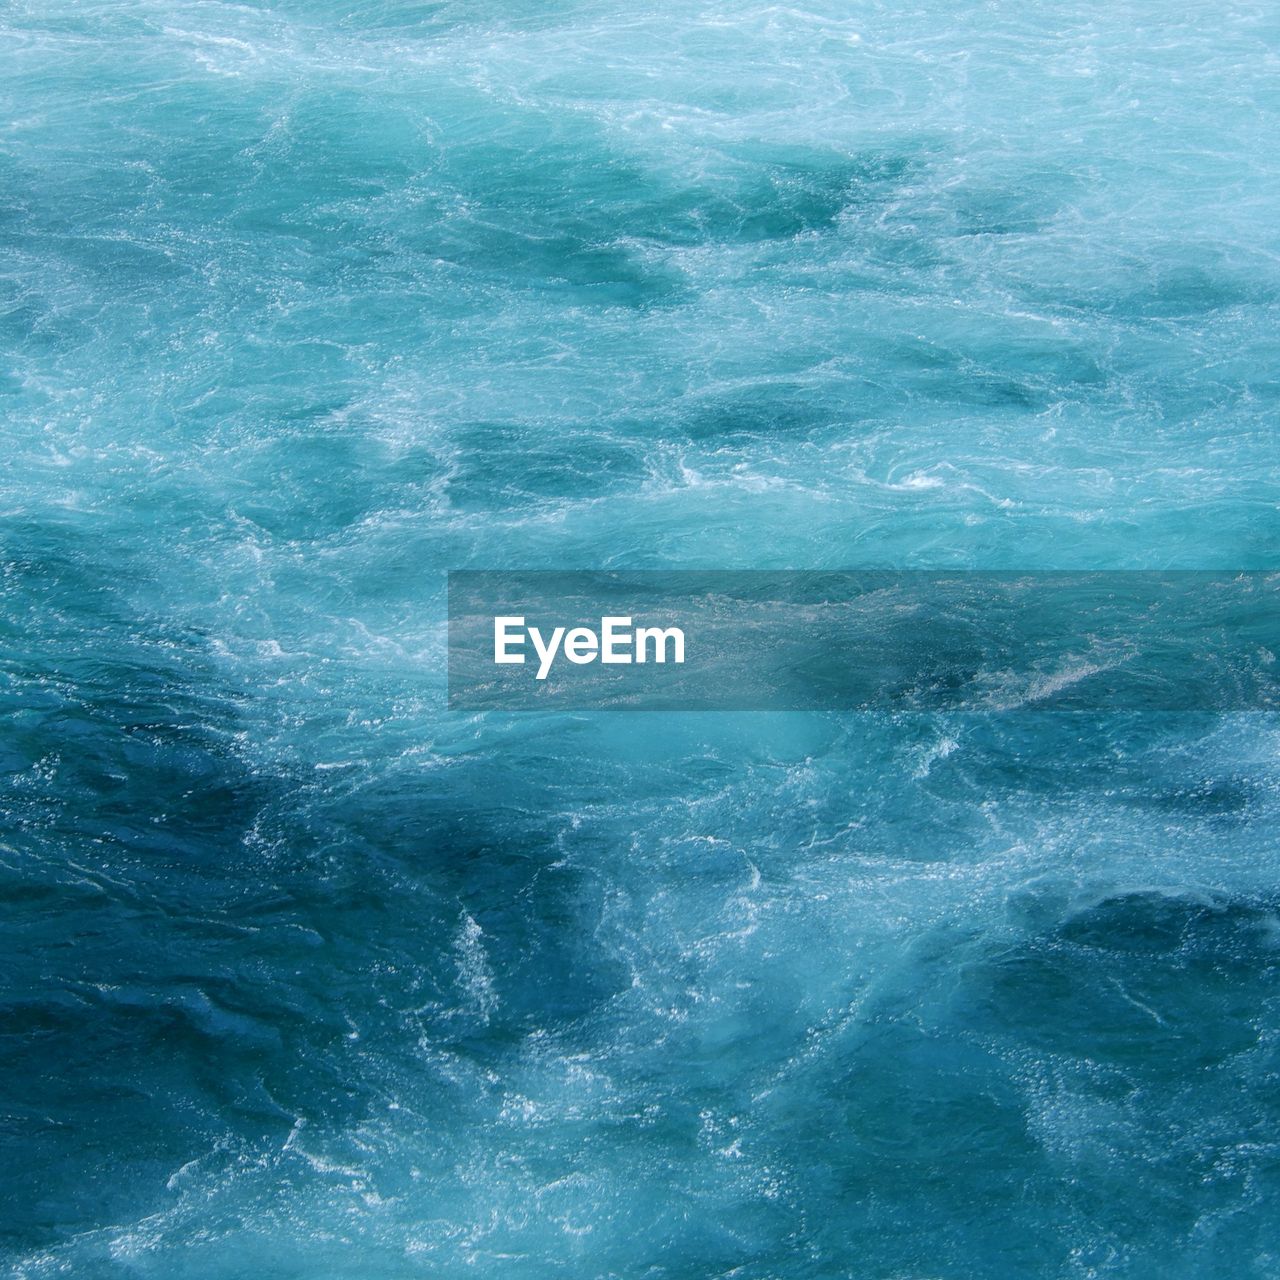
306, 302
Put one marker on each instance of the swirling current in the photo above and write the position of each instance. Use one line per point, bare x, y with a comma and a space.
304, 303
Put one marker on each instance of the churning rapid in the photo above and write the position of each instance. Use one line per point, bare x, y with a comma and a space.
305, 302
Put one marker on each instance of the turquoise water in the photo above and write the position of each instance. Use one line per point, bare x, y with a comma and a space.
304, 304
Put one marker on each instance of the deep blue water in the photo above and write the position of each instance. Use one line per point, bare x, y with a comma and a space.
303, 304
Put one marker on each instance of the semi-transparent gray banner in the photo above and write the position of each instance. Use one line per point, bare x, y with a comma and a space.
915, 640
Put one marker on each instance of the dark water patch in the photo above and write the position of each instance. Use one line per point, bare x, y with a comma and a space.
775, 194
578, 266
1000, 213
1149, 291
1158, 984
1192, 290
1021, 201
330, 145
1112, 762
123, 735
1222, 930
315, 480
1013, 376
524, 204
574, 212
992, 1104
429, 19
138, 1019
539, 213
915, 1140
121, 266
1225, 800
533, 460
773, 411
250, 964
514, 921
1020, 379
988, 389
